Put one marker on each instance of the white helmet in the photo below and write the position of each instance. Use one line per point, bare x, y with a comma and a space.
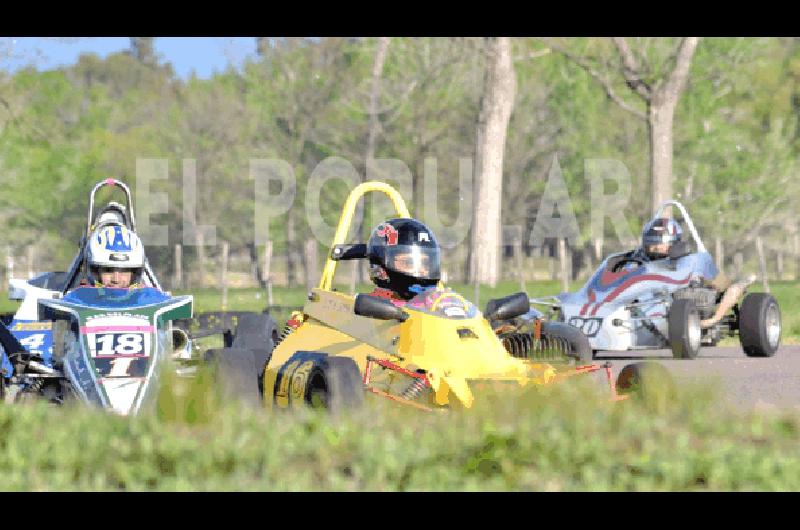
117, 247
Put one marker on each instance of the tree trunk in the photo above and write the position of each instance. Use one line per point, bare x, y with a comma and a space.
496, 105
374, 125
659, 120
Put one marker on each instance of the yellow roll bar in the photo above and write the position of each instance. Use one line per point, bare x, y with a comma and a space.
348, 211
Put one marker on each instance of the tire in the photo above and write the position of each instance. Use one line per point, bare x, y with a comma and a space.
235, 374
685, 335
759, 325
257, 332
335, 384
580, 348
647, 382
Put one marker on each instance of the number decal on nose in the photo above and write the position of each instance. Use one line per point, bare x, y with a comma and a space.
588, 326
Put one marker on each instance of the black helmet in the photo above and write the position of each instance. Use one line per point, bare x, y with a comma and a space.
403, 253
658, 232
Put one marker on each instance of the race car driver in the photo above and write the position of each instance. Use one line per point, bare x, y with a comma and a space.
115, 258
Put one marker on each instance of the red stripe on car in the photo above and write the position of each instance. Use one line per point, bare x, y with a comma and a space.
643, 278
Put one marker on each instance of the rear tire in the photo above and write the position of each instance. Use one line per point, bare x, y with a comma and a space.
235, 374
759, 325
684, 331
335, 384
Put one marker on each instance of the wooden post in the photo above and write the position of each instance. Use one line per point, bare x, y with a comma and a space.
353, 275
30, 262
267, 271
311, 263
9, 264
562, 258
224, 276
719, 253
737, 264
201, 256
762, 263
780, 265
520, 263
178, 282
797, 255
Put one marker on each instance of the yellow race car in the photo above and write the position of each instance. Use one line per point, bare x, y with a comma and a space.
427, 354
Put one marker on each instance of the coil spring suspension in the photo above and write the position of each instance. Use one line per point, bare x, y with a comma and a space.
287, 330
413, 389
524, 346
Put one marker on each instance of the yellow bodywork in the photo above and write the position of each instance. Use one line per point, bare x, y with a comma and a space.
450, 351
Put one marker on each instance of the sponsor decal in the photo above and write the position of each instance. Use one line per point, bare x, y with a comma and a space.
390, 233
423, 236
32, 326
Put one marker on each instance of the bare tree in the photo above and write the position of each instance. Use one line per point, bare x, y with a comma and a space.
497, 103
262, 46
142, 49
660, 96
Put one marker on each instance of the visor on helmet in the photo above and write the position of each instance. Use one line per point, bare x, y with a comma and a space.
413, 260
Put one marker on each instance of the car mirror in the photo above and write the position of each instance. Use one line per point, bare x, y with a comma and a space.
508, 307
348, 252
374, 307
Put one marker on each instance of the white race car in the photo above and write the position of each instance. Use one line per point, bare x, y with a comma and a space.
631, 304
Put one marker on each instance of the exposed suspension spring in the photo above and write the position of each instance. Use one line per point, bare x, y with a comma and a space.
287, 330
524, 346
413, 389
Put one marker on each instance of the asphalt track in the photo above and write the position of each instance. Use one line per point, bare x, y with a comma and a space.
744, 382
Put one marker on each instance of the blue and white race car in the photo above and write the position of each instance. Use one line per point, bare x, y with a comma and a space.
631, 304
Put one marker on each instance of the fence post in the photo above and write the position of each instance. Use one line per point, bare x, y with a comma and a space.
719, 253
30, 254
224, 276
780, 265
9, 265
762, 263
311, 263
562, 258
178, 282
737, 264
267, 272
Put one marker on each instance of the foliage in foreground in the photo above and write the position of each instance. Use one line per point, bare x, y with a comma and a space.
560, 438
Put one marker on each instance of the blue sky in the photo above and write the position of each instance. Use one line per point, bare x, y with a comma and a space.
203, 55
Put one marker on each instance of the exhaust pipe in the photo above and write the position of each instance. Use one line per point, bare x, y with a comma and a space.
732, 294
181, 344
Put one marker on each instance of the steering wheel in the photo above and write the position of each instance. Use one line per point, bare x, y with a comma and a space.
617, 266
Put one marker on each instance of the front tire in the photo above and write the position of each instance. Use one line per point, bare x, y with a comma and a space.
235, 374
759, 325
684, 331
648, 382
